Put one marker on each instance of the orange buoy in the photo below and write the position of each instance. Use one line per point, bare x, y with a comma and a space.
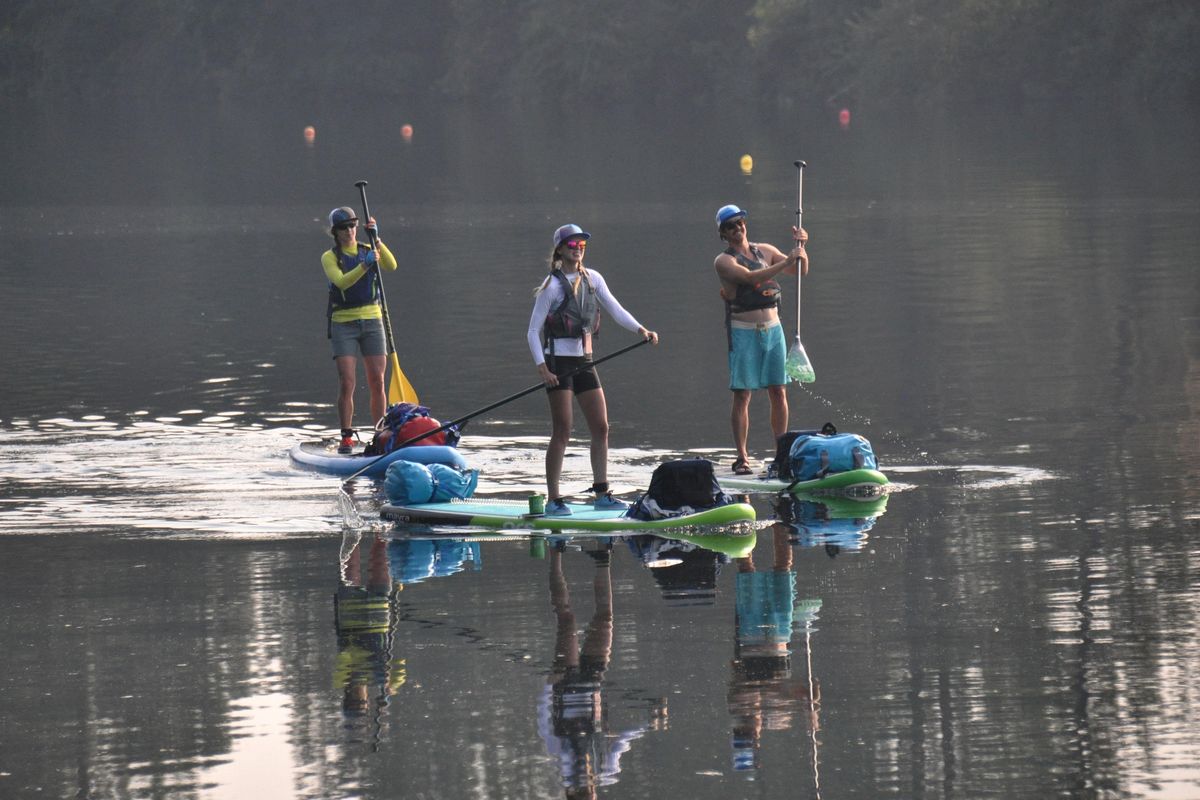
406, 132
310, 134
844, 118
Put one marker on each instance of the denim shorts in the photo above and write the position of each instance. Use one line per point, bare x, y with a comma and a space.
360, 336
757, 357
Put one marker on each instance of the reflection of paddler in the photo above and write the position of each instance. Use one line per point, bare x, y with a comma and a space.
572, 716
363, 618
762, 691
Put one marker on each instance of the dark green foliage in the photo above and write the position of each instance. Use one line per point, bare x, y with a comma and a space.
217, 52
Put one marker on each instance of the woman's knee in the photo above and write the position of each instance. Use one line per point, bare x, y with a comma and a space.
598, 429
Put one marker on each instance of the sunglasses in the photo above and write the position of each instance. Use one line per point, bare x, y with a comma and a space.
346, 227
733, 223
575, 245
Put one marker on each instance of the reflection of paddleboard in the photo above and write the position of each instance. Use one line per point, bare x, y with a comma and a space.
869, 482
836, 507
514, 514
735, 544
324, 457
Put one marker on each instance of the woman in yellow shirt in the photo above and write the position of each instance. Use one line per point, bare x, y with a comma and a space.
355, 315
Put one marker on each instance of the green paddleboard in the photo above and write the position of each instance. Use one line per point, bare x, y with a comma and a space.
514, 515
864, 482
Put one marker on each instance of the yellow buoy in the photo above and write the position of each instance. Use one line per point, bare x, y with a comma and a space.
747, 164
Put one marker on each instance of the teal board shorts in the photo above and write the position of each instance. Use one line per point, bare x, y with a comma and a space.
756, 356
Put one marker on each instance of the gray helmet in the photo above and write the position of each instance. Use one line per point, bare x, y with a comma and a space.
342, 215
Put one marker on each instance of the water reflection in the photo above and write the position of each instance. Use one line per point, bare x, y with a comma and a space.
765, 691
366, 670
685, 572
572, 714
832, 523
366, 612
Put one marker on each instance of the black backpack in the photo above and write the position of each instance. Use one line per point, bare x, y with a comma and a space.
680, 487
781, 467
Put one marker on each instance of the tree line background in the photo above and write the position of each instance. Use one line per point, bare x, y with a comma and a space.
231, 53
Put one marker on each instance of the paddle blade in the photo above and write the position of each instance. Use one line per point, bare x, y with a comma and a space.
399, 389
797, 366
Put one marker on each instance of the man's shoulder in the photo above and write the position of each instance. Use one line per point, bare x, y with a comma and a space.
724, 256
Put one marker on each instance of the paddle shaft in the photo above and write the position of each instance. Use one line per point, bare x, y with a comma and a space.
387, 323
404, 389
800, 165
496, 405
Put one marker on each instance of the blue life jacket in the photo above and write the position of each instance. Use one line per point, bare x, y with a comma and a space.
751, 297
577, 314
364, 291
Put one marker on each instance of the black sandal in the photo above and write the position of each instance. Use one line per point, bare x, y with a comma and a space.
742, 467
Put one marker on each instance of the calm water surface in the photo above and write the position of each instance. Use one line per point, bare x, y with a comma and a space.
1009, 309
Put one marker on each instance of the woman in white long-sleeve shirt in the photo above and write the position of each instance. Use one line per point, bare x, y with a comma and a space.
566, 313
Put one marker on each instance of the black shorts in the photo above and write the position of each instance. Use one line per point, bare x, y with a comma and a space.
583, 381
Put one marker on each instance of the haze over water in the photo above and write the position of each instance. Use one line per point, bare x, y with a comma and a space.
1006, 306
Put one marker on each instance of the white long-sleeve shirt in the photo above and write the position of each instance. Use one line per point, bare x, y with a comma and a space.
550, 297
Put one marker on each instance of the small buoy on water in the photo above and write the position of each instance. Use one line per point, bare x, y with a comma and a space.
747, 164
844, 118
310, 134
406, 132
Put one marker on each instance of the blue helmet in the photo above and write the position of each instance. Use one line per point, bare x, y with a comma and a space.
342, 215
726, 213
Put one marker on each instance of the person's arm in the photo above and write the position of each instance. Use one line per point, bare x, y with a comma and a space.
334, 274
800, 236
386, 259
609, 303
728, 269
541, 307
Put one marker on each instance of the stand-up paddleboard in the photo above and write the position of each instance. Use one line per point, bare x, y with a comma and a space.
514, 514
324, 457
865, 482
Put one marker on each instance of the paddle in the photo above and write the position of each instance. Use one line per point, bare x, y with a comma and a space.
495, 405
399, 389
797, 365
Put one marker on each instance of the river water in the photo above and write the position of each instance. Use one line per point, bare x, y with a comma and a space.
1009, 308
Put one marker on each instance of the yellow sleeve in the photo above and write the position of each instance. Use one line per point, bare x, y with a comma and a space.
386, 259
335, 275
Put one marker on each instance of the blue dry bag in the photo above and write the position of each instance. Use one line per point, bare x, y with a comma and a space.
408, 482
817, 455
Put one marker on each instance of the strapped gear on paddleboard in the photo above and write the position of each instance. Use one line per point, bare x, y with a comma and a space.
403, 422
